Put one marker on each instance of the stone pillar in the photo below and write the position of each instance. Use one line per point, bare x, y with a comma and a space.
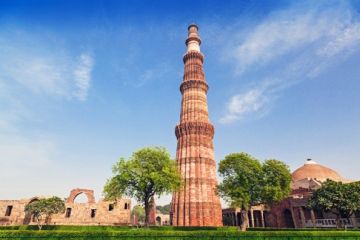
196, 204
302, 216
262, 218
252, 218
313, 217
296, 225
353, 220
236, 220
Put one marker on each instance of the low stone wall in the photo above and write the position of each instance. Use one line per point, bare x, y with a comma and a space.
89, 213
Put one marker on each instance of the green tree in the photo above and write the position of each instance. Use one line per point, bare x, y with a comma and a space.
164, 209
43, 209
138, 212
338, 198
247, 182
276, 179
148, 172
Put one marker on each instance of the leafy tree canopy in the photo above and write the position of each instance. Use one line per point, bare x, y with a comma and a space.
241, 175
247, 181
164, 209
147, 172
139, 212
338, 198
275, 181
42, 209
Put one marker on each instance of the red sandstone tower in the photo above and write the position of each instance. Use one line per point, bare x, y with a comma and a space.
196, 204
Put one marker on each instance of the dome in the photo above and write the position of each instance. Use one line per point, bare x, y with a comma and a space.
312, 170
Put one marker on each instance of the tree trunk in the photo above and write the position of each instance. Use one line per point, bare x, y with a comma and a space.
147, 212
47, 220
244, 220
338, 222
38, 222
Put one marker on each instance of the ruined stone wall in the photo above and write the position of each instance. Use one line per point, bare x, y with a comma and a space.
89, 213
16, 215
100, 213
162, 219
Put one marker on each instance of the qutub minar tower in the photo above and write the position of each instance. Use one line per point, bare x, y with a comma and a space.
196, 204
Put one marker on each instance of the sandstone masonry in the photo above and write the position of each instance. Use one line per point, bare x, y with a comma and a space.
89, 213
196, 204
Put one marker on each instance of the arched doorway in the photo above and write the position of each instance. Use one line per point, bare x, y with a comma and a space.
158, 220
28, 216
289, 222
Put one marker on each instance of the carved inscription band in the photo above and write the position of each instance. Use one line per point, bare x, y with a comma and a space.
194, 84
201, 128
193, 54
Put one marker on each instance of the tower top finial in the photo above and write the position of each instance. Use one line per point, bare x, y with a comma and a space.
193, 25
193, 40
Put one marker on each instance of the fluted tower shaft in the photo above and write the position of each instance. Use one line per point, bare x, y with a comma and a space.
196, 204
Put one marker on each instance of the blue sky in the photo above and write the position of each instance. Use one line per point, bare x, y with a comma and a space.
85, 82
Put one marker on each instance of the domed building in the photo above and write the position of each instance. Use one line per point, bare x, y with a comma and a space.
292, 212
310, 176
313, 170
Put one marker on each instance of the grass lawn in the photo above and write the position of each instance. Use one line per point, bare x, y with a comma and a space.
173, 233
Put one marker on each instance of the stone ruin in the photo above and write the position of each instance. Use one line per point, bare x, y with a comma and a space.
87, 213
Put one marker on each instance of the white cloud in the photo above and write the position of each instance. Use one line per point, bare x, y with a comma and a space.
242, 104
12, 109
41, 65
254, 100
34, 66
289, 31
298, 44
347, 40
40, 74
82, 74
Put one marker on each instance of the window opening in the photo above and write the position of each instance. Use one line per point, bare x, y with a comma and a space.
93, 213
111, 207
68, 212
8, 211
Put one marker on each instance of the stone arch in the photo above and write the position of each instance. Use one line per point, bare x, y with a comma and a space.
158, 220
28, 216
33, 199
76, 192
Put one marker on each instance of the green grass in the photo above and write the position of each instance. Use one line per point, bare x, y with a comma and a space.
165, 233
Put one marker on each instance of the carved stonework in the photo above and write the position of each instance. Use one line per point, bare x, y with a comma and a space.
196, 204
197, 128
193, 54
197, 84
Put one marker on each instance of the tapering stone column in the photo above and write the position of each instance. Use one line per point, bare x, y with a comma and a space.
196, 204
